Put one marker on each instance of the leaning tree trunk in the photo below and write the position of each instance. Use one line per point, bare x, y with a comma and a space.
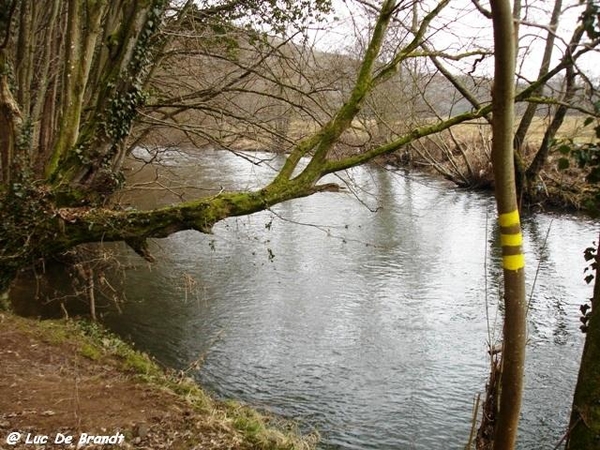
50, 212
584, 429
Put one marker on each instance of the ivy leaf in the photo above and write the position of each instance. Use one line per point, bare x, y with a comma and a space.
589, 253
563, 163
594, 176
589, 278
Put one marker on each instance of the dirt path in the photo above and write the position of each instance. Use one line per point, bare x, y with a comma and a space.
53, 381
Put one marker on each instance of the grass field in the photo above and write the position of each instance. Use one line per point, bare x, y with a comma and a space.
572, 128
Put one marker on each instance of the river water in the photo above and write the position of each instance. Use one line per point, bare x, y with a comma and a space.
364, 314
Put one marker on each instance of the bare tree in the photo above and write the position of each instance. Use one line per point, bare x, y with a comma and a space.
565, 88
60, 167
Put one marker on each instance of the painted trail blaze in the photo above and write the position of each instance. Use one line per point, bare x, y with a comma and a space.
511, 240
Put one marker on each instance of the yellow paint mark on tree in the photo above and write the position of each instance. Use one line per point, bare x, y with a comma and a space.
509, 219
511, 240
513, 262
513, 258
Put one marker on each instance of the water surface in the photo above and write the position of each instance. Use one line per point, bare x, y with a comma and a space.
364, 314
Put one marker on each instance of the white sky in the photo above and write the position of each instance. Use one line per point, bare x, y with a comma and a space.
460, 27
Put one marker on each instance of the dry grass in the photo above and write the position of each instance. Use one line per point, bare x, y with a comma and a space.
572, 128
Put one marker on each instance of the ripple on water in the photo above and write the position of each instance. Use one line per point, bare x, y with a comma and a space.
368, 326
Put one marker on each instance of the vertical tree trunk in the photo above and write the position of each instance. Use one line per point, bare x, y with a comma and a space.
24, 68
543, 152
10, 123
513, 261
584, 428
529, 114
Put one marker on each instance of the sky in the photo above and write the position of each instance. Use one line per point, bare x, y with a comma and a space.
460, 27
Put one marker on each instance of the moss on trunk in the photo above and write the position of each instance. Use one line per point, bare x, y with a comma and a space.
34, 226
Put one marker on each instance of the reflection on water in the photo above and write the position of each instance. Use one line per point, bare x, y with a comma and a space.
362, 314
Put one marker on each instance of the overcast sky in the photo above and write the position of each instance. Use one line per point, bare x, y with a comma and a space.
460, 27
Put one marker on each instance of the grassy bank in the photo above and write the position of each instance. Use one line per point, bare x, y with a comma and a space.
72, 377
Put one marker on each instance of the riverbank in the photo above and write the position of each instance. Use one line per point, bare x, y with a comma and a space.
61, 379
461, 155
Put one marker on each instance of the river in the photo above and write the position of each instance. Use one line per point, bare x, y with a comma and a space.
363, 314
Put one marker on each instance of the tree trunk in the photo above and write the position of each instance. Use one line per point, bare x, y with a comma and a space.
513, 261
543, 152
10, 124
42, 218
528, 175
529, 113
584, 429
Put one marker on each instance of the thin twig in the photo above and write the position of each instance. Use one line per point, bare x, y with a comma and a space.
539, 265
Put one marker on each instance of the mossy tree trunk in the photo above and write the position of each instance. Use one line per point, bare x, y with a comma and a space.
61, 150
92, 81
584, 429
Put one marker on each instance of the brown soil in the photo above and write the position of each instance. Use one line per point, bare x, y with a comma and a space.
47, 387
